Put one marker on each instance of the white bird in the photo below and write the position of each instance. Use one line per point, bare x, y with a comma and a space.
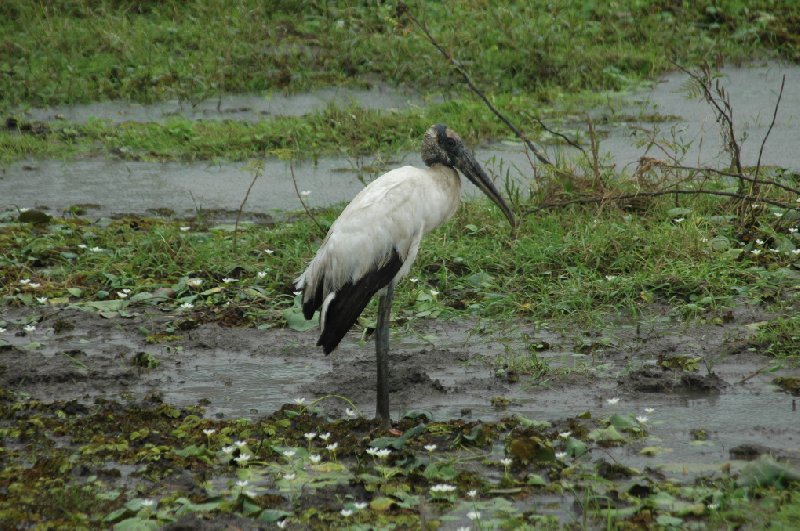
375, 240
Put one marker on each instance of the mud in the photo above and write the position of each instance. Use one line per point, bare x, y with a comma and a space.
455, 372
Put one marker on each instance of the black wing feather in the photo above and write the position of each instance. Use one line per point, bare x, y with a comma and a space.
350, 301
313, 304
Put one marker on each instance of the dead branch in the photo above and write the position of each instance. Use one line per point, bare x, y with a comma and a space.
402, 8
256, 175
769, 130
732, 175
302, 202
622, 197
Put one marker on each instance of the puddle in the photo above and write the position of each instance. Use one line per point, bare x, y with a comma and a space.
242, 107
123, 187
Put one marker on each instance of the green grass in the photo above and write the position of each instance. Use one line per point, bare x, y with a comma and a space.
78, 50
575, 271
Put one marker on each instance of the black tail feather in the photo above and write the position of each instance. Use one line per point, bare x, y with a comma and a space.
350, 301
313, 304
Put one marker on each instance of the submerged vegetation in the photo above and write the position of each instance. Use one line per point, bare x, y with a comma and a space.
684, 244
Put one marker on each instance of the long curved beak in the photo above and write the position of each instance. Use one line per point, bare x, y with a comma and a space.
473, 171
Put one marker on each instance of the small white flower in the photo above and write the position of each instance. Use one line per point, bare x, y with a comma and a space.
704, 239
315, 458
282, 523
561, 455
649, 409
325, 436
297, 293
305, 193
778, 214
34, 285
759, 242
82, 246
434, 292
289, 453
360, 505
349, 412
209, 431
228, 449
611, 277
383, 454
331, 447
463, 528
795, 251
506, 461
29, 328
261, 274
443, 487
299, 401
148, 502
185, 229
413, 280
122, 295
2, 330
269, 251
756, 252
228, 280
24, 209
187, 305
242, 483
242, 459
713, 506
613, 401
240, 444
564, 434
41, 300
678, 220
797, 200
430, 447
290, 476
755, 205
774, 251
642, 419
472, 493
25, 281
792, 229
194, 282
96, 249
474, 515
310, 435
345, 512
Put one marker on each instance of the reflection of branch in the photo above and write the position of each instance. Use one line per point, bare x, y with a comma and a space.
300, 197
622, 197
402, 8
771, 124
241, 207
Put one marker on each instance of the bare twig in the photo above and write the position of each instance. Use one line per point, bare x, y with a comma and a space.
769, 130
732, 175
256, 175
402, 8
562, 136
302, 202
622, 197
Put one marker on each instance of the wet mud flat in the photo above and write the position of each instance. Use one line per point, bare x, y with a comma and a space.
694, 377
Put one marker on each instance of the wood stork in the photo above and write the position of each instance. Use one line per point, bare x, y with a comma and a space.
375, 240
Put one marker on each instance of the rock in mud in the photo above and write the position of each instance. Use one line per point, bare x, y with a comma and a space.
658, 381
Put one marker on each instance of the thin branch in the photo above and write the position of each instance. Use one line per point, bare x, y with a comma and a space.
564, 137
622, 197
402, 8
300, 197
733, 175
241, 207
771, 125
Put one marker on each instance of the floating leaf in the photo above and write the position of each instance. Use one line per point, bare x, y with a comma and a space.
381, 504
297, 321
272, 515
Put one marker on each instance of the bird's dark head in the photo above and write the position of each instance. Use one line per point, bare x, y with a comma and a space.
442, 145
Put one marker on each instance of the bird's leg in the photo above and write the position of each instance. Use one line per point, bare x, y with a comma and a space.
382, 354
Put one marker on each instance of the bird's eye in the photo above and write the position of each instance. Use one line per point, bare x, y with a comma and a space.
450, 142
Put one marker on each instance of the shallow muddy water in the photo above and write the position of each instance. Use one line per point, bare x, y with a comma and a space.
241, 107
452, 373
113, 187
